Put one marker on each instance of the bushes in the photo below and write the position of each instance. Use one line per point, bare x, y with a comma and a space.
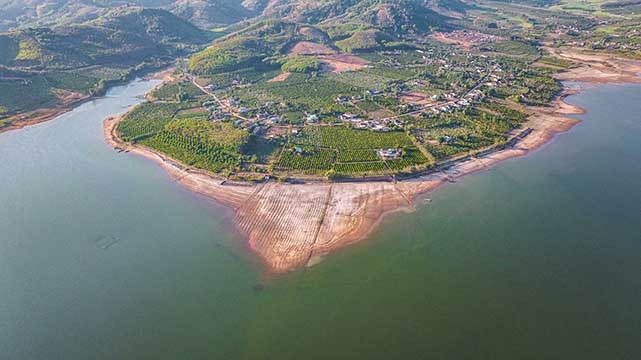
72, 81
341, 137
301, 64
226, 56
311, 161
179, 91
361, 41
217, 134
146, 120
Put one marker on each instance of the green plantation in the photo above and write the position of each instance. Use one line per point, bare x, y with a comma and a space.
338, 151
210, 146
301, 64
342, 137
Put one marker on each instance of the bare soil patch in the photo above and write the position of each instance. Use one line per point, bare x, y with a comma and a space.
342, 62
465, 38
280, 77
310, 48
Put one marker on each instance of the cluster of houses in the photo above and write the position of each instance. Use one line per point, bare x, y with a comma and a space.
378, 125
468, 37
357, 98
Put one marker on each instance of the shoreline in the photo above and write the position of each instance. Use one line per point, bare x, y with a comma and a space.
41, 115
289, 226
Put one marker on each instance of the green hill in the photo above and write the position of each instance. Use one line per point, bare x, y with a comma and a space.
347, 25
41, 66
123, 36
48, 13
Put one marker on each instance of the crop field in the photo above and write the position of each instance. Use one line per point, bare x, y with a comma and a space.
368, 106
10, 49
28, 50
206, 145
347, 152
246, 75
306, 92
342, 137
458, 132
346, 155
102, 72
192, 151
394, 73
372, 167
515, 48
146, 120
195, 113
411, 157
311, 161
363, 78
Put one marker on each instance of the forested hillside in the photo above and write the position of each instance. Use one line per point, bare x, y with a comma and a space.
49, 67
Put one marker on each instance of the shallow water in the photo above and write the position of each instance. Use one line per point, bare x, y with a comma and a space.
102, 256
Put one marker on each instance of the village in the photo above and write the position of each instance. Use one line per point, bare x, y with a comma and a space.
398, 110
266, 120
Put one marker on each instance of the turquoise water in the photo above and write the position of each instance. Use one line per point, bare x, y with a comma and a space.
102, 256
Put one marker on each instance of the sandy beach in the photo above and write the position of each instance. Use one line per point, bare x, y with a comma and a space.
289, 226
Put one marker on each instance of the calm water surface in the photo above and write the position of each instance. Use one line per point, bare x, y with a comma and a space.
102, 256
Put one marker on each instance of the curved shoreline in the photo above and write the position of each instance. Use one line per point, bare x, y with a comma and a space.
292, 225
41, 115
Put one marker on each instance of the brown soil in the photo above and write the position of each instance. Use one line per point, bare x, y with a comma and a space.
440, 37
417, 98
310, 48
280, 77
597, 68
342, 62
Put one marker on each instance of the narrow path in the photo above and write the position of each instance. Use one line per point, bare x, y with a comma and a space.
320, 223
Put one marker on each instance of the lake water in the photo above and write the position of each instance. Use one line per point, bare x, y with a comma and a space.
102, 256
